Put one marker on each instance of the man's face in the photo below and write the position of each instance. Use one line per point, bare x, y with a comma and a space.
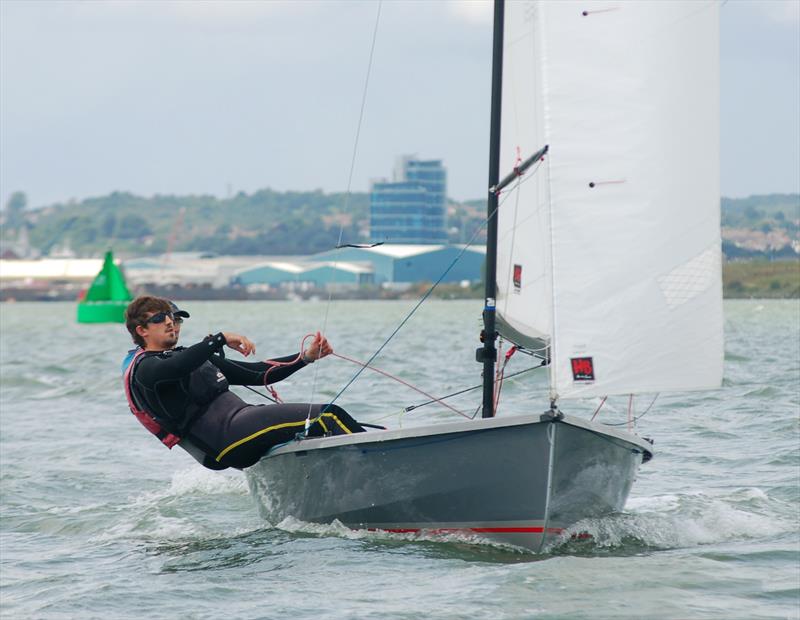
159, 331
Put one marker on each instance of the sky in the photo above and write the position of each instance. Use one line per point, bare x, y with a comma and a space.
191, 97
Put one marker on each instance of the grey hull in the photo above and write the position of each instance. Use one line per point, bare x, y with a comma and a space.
519, 480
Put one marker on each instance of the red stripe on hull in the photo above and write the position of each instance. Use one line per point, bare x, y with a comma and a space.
479, 530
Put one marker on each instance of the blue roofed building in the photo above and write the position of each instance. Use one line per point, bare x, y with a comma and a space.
316, 273
401, 263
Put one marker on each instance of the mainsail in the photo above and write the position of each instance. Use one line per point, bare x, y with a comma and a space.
531, 476
609, 252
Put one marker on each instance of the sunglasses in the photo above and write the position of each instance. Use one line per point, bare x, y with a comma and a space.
159, 317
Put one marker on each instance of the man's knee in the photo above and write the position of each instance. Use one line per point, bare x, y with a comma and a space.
344, 418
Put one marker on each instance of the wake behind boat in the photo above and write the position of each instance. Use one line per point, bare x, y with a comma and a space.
603, 262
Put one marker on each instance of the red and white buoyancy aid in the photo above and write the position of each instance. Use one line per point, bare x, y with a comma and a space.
147, 419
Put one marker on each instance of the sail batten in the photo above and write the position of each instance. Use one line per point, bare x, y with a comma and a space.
611, 254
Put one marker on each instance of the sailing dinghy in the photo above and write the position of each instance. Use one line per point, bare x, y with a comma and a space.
606, 255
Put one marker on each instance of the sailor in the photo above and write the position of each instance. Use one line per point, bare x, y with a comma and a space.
178, 316
181, 394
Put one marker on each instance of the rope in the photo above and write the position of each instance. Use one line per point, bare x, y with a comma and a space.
407, 409
275, 364
469, 389
640, 416
600, 406
410, 408
432, 400
630, 413
403, 322
399, 380
275, 399
501, 375
428, 293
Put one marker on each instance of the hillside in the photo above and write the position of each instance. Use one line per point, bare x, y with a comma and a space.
294, 223
265, 222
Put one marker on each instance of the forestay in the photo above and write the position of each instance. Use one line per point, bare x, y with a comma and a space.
610, 251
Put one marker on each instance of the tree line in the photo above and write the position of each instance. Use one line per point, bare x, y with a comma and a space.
273, 223
265, 222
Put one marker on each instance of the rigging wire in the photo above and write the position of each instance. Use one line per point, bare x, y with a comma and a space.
275, 399
409, 408
399, 380
346, 196
429, 291
471, 389
261, 394
638, 417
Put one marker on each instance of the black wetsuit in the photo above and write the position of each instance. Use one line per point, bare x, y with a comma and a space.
186, 390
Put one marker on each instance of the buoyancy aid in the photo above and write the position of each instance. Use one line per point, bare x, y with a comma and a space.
205, 384
202, 397
199, 388
147, 419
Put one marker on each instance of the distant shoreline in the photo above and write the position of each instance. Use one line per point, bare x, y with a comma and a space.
761, 279
741, 280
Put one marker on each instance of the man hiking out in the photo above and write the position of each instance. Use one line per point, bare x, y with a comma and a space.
181, 394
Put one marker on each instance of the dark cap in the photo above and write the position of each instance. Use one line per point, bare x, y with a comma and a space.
177, 311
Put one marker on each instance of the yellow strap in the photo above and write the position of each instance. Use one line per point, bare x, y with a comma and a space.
276, 427
339, 422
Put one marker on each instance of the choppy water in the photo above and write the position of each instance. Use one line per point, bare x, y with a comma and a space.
99, 520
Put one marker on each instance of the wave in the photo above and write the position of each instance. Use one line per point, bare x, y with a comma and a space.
680, 521
204, 481
179, 511
467, 545
660, 522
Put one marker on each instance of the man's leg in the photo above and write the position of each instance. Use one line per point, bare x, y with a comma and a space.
253, 431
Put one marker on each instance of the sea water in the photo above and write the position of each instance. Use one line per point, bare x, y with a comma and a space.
98, 520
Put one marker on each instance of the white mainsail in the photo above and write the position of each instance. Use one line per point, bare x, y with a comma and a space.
610, 251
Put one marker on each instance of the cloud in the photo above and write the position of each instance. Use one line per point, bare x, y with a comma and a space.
475, 12
238, 11
785, 12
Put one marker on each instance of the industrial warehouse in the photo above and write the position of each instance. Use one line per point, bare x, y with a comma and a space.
199, 275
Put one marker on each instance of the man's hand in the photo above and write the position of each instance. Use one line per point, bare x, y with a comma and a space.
239, 343
319, 347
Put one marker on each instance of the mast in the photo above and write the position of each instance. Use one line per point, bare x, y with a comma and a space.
488, 353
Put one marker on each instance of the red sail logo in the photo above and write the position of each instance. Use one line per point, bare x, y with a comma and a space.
517, 278
582, 369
